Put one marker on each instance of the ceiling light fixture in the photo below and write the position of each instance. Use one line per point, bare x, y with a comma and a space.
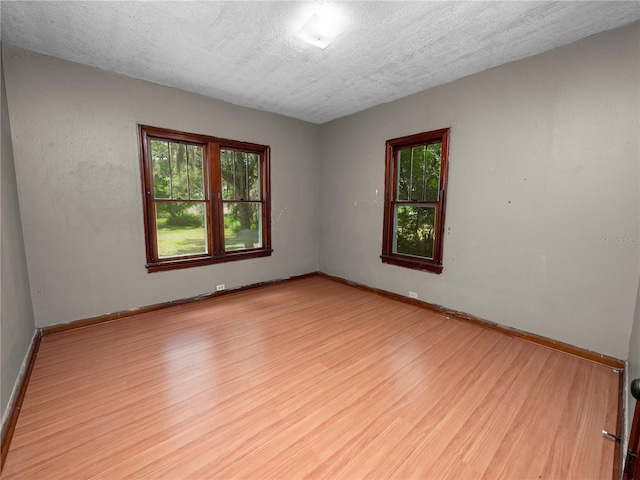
320, 30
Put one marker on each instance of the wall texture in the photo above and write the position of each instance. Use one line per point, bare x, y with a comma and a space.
16, 312
76, 154
543, 200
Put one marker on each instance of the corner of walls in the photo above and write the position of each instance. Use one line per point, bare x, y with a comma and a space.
16, 309
318, 193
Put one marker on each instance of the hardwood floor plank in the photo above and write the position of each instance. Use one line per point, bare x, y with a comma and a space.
309, 379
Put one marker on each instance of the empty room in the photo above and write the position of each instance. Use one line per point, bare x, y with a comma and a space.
332, 239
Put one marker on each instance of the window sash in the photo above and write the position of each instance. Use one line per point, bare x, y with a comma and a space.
237, 235
161, 250
421, 240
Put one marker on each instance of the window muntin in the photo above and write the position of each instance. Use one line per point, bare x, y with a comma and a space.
205, 199
415, 193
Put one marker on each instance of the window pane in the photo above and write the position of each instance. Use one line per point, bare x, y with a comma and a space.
178, 158
242, 225
419, 173
161, 171
181, 228
196, 172
404, 174
240, 175
432, 191
414, 230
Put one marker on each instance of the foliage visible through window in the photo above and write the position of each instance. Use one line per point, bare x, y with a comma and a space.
241, 199
415, 189
206, 199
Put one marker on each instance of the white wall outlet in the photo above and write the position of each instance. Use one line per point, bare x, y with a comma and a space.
219, 288
413, 295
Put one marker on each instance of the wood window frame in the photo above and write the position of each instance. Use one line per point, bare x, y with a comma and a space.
393, 146
214, 217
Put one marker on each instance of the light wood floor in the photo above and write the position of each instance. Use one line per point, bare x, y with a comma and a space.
309, 379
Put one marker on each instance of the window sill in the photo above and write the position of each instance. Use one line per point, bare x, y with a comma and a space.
413, 263
189, 262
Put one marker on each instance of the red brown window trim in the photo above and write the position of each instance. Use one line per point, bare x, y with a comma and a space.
435, 207
209, 197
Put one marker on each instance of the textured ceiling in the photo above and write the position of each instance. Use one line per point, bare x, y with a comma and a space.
246, 52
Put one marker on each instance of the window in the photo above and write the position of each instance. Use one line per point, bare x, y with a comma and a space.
415, 195
206, 199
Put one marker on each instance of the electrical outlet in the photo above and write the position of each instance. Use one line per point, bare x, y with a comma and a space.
413, 295
219, 288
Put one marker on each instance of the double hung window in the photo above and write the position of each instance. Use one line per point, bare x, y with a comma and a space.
206, 199
415, 195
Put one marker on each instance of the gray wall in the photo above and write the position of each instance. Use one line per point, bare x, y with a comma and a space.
543, 193
76, 152
16, 313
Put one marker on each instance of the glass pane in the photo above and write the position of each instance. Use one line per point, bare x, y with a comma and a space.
414, 228
242, 225
240, 175
404, 174
161, 171
181, 228
196, 172
432, 191
253, 177
179, 184
419, 173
